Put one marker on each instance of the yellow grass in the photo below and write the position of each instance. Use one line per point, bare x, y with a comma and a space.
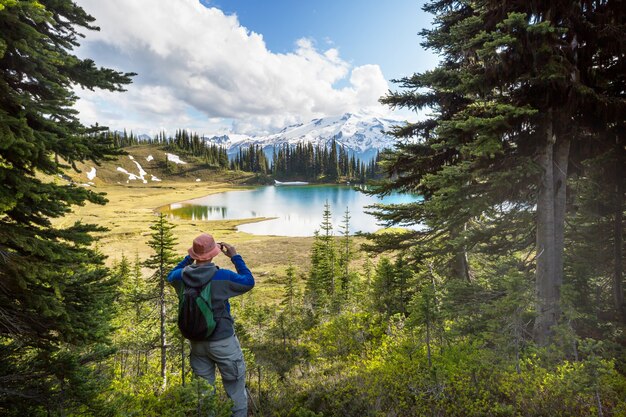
133, 208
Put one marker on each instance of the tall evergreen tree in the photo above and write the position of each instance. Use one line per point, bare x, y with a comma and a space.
514, 99
321, 284
333, 162
163, 259
346, 255
329, 250
55, 293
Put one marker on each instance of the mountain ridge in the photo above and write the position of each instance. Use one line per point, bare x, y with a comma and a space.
360, 134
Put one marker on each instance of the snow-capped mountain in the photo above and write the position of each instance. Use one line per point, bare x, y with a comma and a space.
361, 135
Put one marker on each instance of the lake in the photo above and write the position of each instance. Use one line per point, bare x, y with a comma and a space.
296, 210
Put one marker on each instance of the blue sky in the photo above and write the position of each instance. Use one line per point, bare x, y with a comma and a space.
364, 31
250, 67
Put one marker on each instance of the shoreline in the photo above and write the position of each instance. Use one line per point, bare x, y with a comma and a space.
131, 211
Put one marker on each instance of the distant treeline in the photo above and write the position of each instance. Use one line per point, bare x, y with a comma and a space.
303, 161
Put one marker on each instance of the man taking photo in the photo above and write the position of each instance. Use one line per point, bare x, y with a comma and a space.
200, 283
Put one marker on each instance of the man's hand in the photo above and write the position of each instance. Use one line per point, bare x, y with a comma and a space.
228, 250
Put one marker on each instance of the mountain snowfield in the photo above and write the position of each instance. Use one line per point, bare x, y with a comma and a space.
361, 134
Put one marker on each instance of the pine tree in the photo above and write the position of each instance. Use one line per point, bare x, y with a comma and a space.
122, 271
56, 295
514, 95
316, 286
289, 298
163, 259
329, 251
333, 162
135, 323
383, 294
346, 255
320, 286
402, 287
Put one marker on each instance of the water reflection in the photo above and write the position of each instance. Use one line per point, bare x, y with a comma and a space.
195, 212
297, 209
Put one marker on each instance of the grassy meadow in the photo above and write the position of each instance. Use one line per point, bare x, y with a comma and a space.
133, 207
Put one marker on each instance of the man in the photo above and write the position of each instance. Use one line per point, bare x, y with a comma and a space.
222, 347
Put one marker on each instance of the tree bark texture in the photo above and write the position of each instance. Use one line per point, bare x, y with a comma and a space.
552, 159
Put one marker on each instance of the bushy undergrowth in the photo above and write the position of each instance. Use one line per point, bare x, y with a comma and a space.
394, 377
143, 397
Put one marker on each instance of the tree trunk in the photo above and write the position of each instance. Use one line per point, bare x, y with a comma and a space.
163, 338
561, 157
428, 350
460, 264
552, 160
618, 227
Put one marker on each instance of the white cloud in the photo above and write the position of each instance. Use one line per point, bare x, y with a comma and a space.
201, 69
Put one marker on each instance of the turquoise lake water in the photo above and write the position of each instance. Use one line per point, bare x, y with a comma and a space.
297, 209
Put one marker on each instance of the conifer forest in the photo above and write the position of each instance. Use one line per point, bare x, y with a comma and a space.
500, 292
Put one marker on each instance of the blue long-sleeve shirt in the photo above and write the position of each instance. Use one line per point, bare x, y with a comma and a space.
224, 285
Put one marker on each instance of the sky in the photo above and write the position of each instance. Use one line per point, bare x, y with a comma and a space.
249, 66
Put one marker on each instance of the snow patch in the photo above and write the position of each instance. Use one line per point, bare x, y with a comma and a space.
174, 158
142, 173
91, 174
131, 176
140, 176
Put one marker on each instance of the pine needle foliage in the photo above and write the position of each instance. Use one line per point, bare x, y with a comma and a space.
55, 294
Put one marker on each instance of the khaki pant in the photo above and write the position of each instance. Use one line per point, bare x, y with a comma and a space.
227, 355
